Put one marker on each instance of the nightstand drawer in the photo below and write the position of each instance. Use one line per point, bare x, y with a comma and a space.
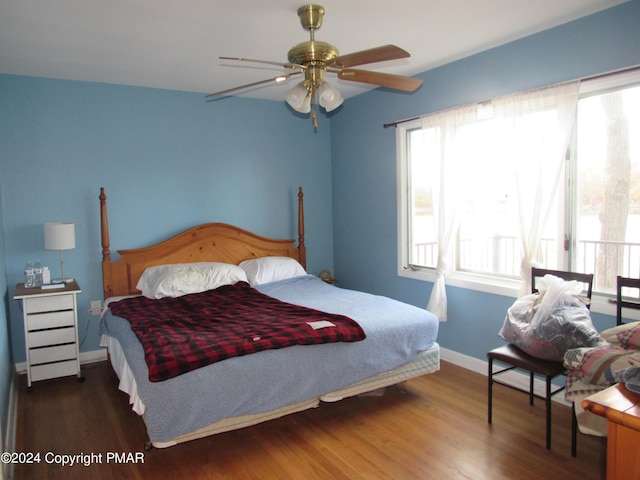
49, 303
53, 370
41, 321
52, 354
44, 338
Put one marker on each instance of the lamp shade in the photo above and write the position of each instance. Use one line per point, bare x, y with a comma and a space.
298, 98
329, 98
59, 236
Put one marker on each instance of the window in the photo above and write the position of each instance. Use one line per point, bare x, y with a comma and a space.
477, 180
606, 229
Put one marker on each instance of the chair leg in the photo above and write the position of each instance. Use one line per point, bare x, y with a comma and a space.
490, 390
548, 404
574, 431
531, 395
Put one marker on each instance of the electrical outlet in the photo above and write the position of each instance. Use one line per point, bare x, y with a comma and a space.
96, 307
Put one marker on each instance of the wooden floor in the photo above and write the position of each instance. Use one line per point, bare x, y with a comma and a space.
434, 426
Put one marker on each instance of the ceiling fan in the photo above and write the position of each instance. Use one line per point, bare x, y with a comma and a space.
314, 58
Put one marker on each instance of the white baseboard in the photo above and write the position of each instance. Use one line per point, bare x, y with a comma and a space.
93, 356
517, 379
85, 357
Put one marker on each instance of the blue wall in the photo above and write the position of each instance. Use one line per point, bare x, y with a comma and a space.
364, 157
6, 364
168, 160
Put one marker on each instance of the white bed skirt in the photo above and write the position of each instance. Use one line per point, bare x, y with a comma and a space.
425, 362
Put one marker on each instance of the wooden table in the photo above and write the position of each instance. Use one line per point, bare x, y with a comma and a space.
621, 408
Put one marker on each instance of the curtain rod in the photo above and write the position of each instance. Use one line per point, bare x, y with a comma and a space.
583, 79
398, 122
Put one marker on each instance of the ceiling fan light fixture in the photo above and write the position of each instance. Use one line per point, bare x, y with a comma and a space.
306, 105
296, 98
329, 97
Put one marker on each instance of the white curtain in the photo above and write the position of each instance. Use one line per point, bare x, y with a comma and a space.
534, 133
446, 195
540, 161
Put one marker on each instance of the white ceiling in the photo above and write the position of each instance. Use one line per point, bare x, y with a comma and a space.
175, 44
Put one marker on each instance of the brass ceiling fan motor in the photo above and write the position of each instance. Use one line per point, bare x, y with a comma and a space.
312, 51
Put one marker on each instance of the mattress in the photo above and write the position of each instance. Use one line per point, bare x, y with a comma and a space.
249, 389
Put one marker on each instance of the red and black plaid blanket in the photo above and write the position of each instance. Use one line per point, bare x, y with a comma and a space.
181, 334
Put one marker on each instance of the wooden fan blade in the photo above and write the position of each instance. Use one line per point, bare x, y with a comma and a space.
397, 82
379, 54
266, 62
278, 79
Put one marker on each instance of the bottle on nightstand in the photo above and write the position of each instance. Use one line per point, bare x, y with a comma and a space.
46, 276
29, 277
37, 273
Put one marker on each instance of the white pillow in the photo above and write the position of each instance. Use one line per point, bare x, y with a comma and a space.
271, 269
180, 279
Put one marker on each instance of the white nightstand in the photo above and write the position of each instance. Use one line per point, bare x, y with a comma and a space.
50, 331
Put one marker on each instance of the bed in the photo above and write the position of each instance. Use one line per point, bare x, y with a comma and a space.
244, 390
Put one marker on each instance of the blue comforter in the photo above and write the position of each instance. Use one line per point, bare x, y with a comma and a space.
267, 380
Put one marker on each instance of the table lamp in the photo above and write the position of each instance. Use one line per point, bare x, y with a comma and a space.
60, 236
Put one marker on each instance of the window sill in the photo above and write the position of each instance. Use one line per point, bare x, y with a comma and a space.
506, 287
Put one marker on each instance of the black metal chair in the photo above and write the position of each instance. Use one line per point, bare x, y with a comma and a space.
626, 302
515, 358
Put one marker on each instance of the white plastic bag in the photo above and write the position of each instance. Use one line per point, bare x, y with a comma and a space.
547, 324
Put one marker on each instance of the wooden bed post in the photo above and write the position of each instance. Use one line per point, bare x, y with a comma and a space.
106, 254
302, 249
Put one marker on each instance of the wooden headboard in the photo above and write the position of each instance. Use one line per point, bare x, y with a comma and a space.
210, 242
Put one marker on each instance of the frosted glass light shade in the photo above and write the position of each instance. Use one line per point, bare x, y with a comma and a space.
329, 98
306, 105
297, 98
59, 236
